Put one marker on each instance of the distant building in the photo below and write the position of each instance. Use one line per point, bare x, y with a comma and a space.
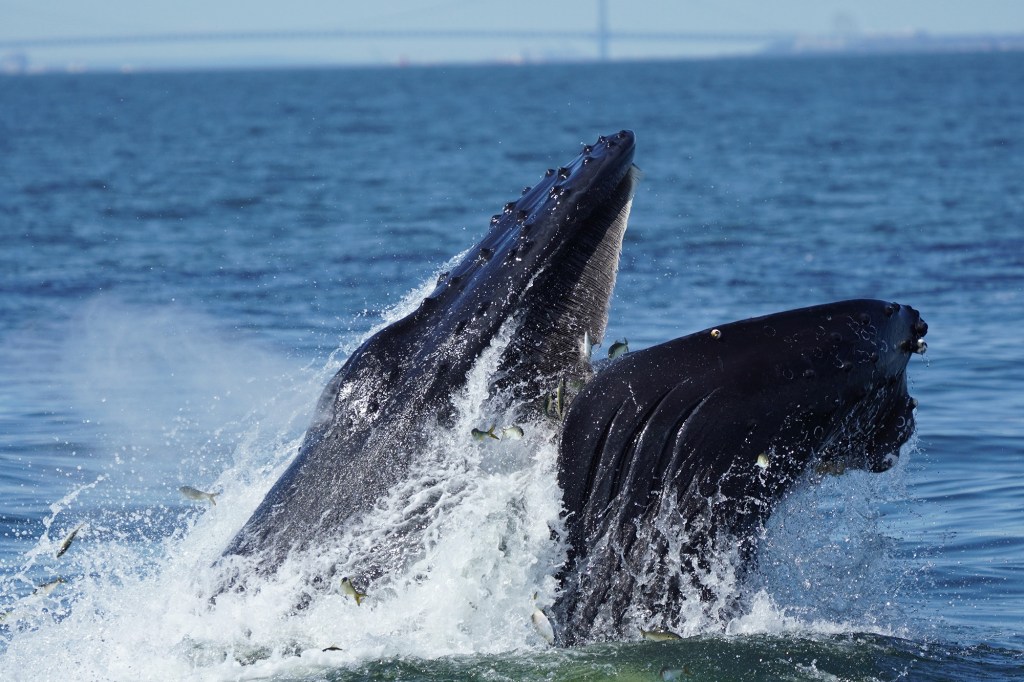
14, 62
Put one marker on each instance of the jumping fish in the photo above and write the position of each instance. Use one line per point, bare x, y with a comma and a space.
196, 494
554, 403
484, 435
587, 345
347, 588
618, 349
512, 432
48, 587
659, 635
68, 539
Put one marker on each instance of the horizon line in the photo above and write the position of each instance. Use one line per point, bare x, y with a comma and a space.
449, 34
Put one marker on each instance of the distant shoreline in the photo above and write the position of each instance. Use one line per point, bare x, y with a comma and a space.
18, 61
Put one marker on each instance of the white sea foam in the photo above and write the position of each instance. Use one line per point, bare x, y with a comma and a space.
137, 607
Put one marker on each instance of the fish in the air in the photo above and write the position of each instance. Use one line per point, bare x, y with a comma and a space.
347, 588
196, 494
68, 539
618, 349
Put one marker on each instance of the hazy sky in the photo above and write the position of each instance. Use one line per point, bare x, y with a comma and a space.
22, 19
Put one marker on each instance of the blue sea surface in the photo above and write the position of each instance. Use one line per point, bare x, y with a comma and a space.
185, 256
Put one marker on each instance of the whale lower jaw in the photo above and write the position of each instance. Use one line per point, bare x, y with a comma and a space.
672, 458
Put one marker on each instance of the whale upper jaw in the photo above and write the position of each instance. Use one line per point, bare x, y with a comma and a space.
545, 269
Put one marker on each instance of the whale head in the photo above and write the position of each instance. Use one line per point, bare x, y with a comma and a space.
710, 431
544, 272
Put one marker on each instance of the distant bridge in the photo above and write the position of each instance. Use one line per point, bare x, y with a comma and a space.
602, 37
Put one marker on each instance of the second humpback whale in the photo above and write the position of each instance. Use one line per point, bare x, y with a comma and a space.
665, 456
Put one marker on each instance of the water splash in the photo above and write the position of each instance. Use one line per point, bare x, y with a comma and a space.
486, 514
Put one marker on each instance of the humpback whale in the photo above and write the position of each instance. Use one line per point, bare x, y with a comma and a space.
665, 456
545, 271
679, 452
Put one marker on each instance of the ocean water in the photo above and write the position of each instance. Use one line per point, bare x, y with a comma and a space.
186, 258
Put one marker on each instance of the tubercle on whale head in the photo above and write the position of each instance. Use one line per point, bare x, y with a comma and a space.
553, 210
549, 214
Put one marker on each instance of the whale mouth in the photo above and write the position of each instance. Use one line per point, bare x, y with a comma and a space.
882, 419
895, 427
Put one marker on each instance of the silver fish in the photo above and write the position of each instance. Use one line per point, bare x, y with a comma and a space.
618, 349
48, 587
348, 589
659, 635
484, 435
68, 539
196, 494
554, 404
512, 433
587, 347
542, 625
